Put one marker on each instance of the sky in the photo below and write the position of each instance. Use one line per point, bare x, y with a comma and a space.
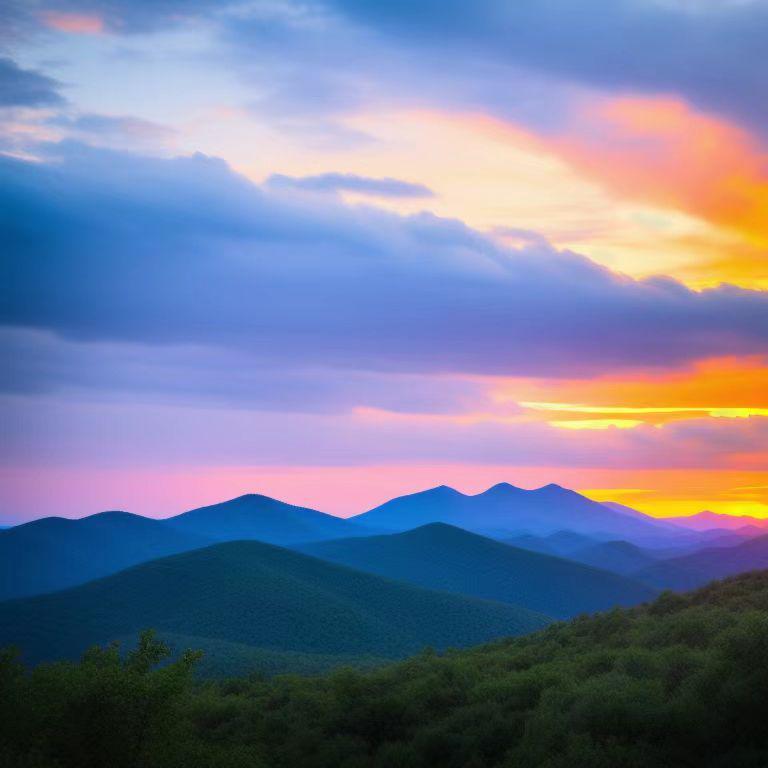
338, 251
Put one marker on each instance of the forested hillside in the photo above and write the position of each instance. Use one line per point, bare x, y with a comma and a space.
257, 598
681, 682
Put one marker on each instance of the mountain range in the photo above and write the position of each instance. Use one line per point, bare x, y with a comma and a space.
505, 510
55, 553
259, 584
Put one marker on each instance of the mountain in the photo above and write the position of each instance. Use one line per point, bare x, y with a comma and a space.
264, 519
444, 557
505, 509
55, 553
696, 569
617, 556
260, 596
703, 521
560, 543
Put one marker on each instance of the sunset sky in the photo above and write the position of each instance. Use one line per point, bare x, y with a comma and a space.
338, 251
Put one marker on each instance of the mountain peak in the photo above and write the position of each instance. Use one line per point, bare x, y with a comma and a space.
442, 489
432, 528
111, 513
502, 487
250, 497
554, 488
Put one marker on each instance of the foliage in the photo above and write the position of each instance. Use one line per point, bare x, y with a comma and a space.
681, 682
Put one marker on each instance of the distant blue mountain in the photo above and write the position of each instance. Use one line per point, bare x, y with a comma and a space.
560, 543
618, 556
696, 569
440, 556
54, 553
504, 509
263, 519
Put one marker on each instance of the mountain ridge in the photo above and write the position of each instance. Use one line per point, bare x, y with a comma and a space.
504, 508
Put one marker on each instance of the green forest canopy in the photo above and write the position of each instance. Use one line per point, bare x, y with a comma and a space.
680, 682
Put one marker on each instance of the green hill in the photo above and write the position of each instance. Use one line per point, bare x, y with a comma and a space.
440, 556
680, 683
261, 596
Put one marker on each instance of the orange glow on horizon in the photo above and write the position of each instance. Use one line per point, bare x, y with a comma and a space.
729, 387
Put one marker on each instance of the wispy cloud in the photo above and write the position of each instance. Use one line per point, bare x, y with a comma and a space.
350, 182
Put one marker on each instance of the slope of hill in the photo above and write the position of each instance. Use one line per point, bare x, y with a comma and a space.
443, 557
262, 518
560, 543
504, 510
617, 556
56, 553
682, 682
257, 595
694, 570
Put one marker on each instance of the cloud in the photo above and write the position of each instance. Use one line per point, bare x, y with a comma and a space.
107, 246
117, 16
705, 52
39, 364
523, 60
73, 23
120, 131
350, 182
60, 432
26, 87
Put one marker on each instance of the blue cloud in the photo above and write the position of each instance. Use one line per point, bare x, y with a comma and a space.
350, 182
106, 246
707, 52
26, 87
516, 59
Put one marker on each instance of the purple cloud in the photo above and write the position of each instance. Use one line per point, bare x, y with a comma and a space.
26, 87
57, 432
184, 251
350, 182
